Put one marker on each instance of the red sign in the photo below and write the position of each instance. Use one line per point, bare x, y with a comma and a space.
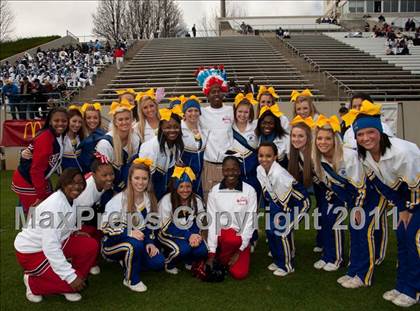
17, 133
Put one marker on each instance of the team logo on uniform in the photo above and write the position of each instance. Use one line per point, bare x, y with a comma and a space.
227, 120
242, 201
53, 159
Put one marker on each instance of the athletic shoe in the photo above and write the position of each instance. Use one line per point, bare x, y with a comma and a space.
343, 279
280, 272
139, 287
391, 295
252, 249
270, 255
403, 300
72, 297
317, 249
330, 267
354, 282
272, 267
172, 270
29, 295
95, 270
319, 264
188, 267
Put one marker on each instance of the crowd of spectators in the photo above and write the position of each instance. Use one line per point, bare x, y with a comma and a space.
246, 28
34, 82
282, 33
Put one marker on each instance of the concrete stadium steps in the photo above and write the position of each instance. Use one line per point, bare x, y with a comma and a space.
353, 70
171, 63
376, 47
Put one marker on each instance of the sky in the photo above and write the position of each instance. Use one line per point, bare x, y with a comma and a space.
39, 18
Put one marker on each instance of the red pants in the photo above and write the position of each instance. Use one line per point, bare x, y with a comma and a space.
96, 234
43, 280
228, 244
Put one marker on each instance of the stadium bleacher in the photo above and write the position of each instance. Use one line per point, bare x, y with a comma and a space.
174, 64
354, 70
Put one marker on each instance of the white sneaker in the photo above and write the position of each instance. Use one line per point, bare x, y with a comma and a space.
172, 271
343, 279
73, 297
252, 249
139, 287
403, 300
391, 295
330, 267
188, 267
29, 295
95, 270
280, 272
272, 267
355, 282
319, 264
270, 255
317, 249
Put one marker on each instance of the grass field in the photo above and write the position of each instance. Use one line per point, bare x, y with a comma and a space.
13, 47
306, 289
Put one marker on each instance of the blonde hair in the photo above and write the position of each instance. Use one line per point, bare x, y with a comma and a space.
131, 208
316, 154
117, 144
142, 120
310, 101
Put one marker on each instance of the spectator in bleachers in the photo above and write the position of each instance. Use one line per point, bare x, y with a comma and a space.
280, 33
286, 34
381, 19
251, 87
11, 91
194, 31
342, 111
234, 89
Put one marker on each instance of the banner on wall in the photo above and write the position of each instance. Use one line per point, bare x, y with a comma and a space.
390, 115
19, 133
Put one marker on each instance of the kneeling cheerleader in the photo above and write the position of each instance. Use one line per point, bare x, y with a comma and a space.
288, 201
179, 234
128, 233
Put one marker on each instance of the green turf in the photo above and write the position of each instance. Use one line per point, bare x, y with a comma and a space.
306, 289
13, 47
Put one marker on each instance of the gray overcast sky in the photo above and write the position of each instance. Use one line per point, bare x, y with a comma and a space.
33, 18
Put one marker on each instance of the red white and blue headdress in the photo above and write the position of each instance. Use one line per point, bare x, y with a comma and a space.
209, 76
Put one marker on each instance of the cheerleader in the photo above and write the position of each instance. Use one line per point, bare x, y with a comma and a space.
97, 193
31, 180
268, 97
72, 139
329, 165
165, 149
393, 166
194, 140
283, 194
216, 121
128, 234
179, 233
92, 131
43, 252
304, 104
244, 139
381, 232
130, 96
148, 114
232, 213
119, 145
269, 129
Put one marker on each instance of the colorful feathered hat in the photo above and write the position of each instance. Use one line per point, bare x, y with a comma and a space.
209, 76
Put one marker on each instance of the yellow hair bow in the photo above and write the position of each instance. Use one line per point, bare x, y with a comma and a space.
240, 97
146, 161
308, 121
193, 97
73, 107
295, 94
85, 106
179, 171
367, 108
274, 110
332, 121
263, 90
165, 113
149, 93
181, 98
120, 106
126, 91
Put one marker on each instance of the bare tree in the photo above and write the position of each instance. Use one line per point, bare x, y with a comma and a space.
6, 20
109, 20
